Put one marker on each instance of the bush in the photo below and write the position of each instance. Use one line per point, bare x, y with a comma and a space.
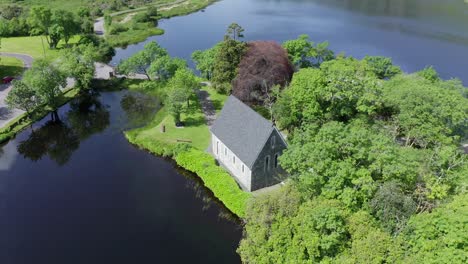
117, 28
223, 186
215, 178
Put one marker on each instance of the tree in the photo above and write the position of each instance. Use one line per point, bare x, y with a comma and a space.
303, 53
227, 59
47, 81
186, 81
392, 207
234, 31
71, 26
205, 60
141, 61
264, 65
78, 63
426, 114
22, 97
165, 67
339, 90
382, 67
175, 102
438, 236
430, 74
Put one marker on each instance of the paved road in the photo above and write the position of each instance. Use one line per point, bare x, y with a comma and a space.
6, 114
27, 60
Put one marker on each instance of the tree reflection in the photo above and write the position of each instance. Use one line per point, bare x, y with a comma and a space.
88, 116
139, 108
54, 138
59, 139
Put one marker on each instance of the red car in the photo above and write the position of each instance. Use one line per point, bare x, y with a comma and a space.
8, 79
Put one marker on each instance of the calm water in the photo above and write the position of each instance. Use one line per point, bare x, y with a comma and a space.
415, 33
78, 192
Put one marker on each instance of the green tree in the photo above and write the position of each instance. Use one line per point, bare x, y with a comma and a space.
205, 61
339, 90
165, 67
392, 207
382, 66
175, 101
22, 97
438, 236
186, 81
426, 114
303, 53
141, 61
234, 31
79, 64
47, 80
430, 74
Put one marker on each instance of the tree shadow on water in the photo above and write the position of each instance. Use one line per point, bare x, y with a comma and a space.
59, 139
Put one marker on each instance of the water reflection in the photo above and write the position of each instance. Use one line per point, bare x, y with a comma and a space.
206, 196
59, 138
139, 108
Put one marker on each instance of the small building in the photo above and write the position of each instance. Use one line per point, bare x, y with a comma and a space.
247, 145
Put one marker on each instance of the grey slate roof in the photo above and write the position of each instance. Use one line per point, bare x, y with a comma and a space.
242, 130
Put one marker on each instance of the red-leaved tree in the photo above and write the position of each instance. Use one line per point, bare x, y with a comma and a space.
264, 65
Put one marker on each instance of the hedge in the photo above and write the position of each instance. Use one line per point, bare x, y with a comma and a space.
223, 186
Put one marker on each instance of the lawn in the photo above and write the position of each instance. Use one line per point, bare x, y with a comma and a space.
195, 132
55, 4
32, 46
10, 67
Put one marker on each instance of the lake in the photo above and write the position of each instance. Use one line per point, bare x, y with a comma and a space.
78, 192
414, 33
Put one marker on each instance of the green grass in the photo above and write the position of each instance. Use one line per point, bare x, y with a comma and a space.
195, 132
133, 36
32, 46
56, 4
10, 66
191, 155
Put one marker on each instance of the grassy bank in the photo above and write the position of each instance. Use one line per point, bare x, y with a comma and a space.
127, 28
19, 123
187, 146
10, 66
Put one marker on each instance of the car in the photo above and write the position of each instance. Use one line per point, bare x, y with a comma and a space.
8, 79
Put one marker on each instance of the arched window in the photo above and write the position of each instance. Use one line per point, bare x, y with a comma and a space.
242, 168
273, 141
217, 147
225, 151
276, 160
267, 163
234, 159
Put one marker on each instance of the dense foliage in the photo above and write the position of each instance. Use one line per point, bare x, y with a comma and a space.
263, 65
377, 172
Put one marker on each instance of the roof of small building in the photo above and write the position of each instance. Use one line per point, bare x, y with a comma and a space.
242, 130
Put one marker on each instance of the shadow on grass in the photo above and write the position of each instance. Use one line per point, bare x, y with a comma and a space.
8, 70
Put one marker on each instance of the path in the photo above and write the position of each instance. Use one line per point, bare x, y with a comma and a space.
99, 26
27, 60
207, 107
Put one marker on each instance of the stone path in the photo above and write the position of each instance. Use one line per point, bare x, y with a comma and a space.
207, 107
